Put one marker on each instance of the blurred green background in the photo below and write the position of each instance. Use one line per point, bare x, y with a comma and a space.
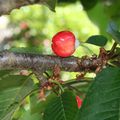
34, 26
43, 24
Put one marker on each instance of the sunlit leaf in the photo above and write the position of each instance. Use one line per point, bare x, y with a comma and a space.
13, 89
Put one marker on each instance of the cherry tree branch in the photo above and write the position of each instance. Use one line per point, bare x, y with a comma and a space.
37, 62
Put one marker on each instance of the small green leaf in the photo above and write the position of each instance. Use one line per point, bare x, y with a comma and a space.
88, 4
103, 99
50, 3
114, 31
13, 89
98, 40
62, 107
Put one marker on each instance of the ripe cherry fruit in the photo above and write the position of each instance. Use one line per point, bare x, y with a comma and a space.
63, 43
79, 101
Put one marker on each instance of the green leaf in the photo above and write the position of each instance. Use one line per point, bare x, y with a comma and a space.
88, 4
114, 31
13, 89
27, 115
62, 107
5, 72
50, 3
103, 99
37, 107
98, 40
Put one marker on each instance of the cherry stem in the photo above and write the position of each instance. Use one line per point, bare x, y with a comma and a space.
112, 49
73, 88
59, 85
74, 81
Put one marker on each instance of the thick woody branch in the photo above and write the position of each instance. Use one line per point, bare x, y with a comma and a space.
36, 62
7, 5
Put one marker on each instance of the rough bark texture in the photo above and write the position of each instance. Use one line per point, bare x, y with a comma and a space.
37, 62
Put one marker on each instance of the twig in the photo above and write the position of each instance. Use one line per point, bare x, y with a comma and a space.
74, 81
111, 53
73, 88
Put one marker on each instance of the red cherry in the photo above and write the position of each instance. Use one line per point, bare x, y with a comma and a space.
79, 101
63, 43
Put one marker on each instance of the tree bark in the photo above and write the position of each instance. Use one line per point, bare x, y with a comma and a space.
37, 62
